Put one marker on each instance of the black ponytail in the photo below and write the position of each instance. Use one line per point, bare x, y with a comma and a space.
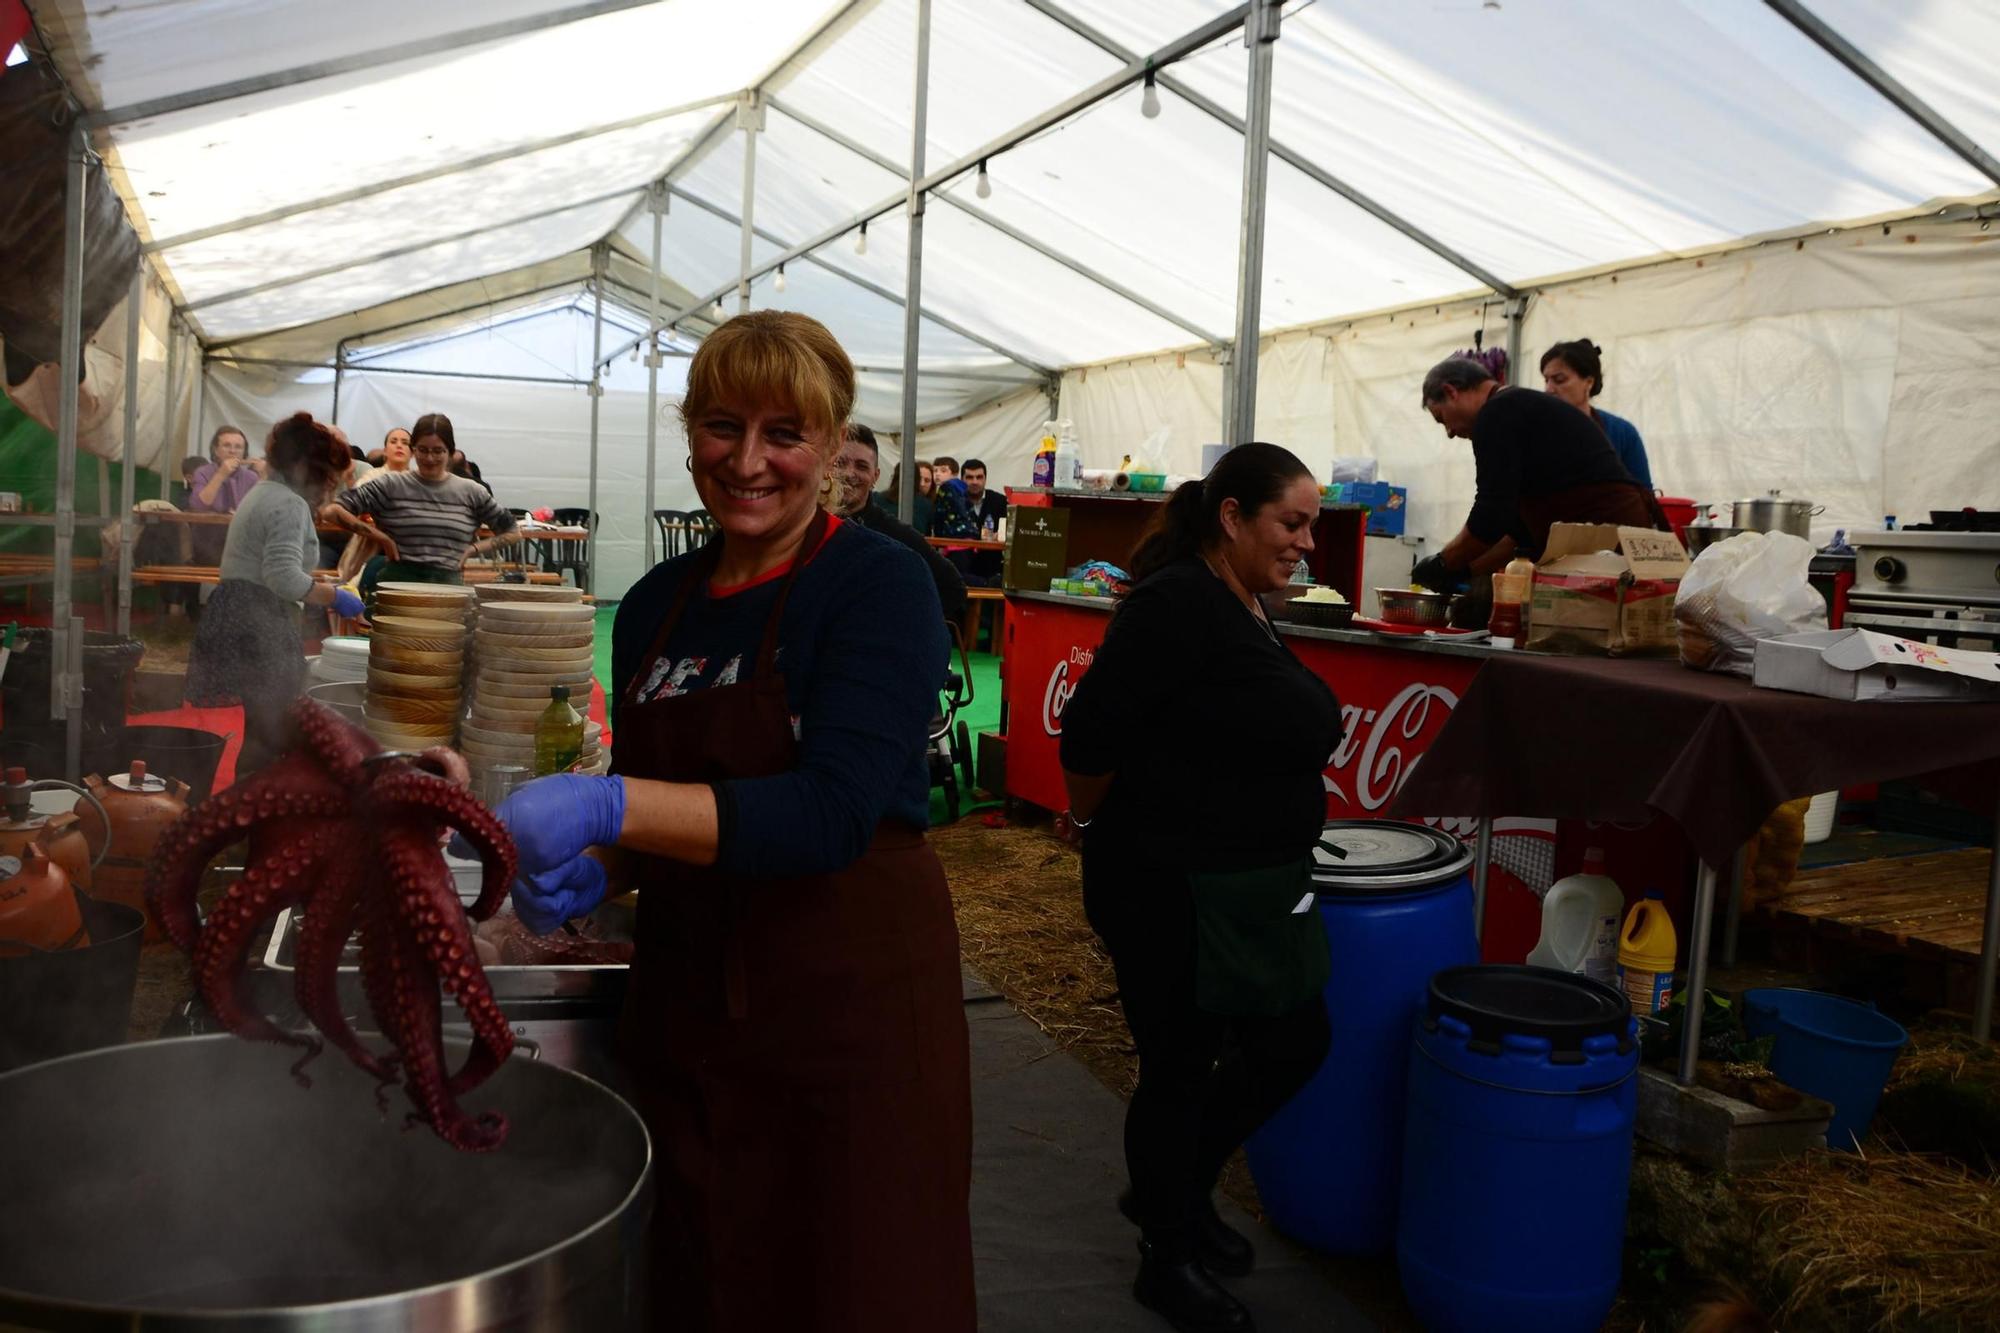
1252, 474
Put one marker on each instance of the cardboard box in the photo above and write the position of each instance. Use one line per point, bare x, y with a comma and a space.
1605, 589
1388, 505
1037, 548
1862, 664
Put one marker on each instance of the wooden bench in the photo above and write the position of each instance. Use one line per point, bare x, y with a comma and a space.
977, 602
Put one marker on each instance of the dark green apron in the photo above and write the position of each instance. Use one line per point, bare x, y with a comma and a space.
1254, 954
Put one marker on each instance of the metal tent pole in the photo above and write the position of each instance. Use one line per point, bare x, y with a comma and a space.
1260, 34
658, 205
1482, 869
167, 417
1517, 313
128, 479
906, 492
65, 637
1989, 946
1697, 987
197, 394
750, 120
596, 397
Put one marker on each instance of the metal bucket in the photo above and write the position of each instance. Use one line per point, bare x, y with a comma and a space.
191, 1184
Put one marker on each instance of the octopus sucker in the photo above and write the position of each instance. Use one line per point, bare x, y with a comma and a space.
351, 837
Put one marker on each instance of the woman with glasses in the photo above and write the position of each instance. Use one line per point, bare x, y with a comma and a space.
427, 521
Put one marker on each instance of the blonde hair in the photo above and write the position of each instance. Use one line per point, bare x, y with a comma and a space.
774, 356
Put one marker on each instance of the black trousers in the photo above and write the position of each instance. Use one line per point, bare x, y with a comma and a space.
1206, 1081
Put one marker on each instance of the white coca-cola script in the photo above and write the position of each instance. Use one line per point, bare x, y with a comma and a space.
1375, 738
1056, 697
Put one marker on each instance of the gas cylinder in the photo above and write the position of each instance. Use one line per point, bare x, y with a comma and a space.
61, 836
140, 807
37, 906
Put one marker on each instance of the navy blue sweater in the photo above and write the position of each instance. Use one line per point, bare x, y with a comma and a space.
862, 649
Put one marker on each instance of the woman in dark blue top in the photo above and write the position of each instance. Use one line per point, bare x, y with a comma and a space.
1574, 372
794, 1029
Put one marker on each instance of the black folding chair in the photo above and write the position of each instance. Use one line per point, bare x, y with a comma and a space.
673, 525
571, 553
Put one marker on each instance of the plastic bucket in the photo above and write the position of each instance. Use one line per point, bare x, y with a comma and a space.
1396, 909
72, 1000
1517, 1153
187, 753
108, 663
1819, 816
1836, 1049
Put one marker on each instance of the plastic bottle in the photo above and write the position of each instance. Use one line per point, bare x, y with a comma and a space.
1646, 952
1069, 460
1511, 589
1580, 923
1045, 456
558, 735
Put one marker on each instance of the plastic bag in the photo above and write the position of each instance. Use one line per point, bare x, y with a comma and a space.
1750, 587
1356, 469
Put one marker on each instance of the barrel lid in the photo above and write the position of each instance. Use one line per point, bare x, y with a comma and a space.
1367, 856
1497, 1000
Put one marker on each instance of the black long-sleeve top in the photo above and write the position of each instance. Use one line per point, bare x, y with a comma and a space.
1216, 734
950, 586
1527, 444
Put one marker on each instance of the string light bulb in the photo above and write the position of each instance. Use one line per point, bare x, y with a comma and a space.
1149, 101
716, 312
779, 284
634, 358
984, 189
861, 241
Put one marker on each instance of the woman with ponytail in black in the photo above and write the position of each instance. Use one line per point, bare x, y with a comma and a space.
1193, 751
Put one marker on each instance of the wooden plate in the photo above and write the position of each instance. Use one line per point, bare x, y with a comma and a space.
538, 613
397, 682
445, 594
489, 642
408, 713
409, 736
490, 594
405, 659
531, 676
572, 659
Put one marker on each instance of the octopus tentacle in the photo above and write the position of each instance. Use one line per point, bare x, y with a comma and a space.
338, 746
435, 921
267, 887
417, 1020
441, 803
322, 935
173, 879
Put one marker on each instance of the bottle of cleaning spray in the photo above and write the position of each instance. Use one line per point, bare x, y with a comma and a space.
1069, 459
1045, 456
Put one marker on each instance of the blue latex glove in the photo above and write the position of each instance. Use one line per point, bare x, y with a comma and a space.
553, 820
347, 604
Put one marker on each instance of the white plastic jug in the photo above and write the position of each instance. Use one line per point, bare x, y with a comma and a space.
1580, 915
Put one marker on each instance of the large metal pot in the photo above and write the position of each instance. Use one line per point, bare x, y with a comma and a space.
1774, 513
191, 1184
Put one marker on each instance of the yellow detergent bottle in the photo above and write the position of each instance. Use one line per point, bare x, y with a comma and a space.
1646, 951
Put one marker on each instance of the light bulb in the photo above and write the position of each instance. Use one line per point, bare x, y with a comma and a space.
984, 189
1149, 102
861, 241
634, 358
716, 311
779, 285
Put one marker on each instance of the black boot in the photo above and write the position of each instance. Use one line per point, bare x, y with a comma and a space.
1222, 1249
1181, 1291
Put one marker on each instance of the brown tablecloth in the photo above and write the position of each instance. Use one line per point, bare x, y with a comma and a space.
1577, 738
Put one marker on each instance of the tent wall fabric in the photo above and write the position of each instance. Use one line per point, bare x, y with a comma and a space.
1853, 370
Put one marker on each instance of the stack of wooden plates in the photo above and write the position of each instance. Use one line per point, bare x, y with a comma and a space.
523, 648
528, 592
416, 679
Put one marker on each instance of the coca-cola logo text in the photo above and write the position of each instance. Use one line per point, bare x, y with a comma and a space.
1057, 696
1372, 745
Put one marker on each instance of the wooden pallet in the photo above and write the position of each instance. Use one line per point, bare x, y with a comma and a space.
1932, 905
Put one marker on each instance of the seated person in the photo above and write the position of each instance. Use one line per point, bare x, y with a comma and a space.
854, 471
988, 508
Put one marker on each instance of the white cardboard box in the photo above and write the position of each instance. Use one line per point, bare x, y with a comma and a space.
1862, 664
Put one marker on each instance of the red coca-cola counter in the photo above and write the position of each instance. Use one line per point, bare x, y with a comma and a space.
1395, 694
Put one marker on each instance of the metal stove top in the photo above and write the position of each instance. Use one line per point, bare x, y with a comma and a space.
1938, 586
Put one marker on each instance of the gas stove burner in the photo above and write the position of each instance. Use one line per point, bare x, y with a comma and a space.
1958, 520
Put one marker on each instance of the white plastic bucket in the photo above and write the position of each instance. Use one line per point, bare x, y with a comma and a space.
1819, 816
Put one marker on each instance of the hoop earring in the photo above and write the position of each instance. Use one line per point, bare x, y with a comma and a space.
689, 463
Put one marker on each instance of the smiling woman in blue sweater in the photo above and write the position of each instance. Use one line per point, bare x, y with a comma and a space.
794, 1030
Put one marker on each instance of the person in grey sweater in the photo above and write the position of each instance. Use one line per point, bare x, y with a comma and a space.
249, 648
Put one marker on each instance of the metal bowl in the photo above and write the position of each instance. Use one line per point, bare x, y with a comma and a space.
1320, 615
1406, 606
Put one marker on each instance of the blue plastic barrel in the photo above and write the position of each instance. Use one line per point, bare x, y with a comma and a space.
1397, 907
1517, 1152
1831, 1048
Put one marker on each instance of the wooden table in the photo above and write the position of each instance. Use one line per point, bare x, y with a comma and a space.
965, 544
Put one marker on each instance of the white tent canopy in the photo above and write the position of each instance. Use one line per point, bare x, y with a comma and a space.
316, 181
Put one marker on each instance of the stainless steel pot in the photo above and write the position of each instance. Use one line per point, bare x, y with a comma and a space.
1698, 537
1774, 513
191, 1184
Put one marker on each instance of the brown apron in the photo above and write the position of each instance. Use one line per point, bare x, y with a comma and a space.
798, 1048
1625, 503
